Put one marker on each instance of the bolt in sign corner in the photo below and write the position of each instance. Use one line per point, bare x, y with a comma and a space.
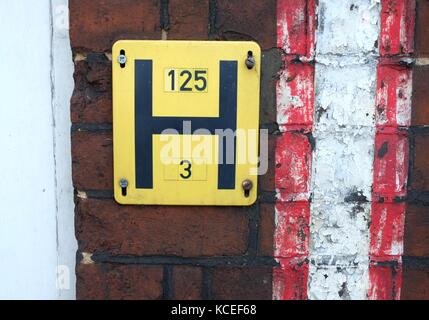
186, 122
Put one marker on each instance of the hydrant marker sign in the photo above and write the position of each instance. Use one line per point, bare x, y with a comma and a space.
186, 122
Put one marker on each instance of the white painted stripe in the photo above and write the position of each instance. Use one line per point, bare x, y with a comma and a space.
346, 59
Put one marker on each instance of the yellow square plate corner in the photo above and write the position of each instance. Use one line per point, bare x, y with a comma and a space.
185, 122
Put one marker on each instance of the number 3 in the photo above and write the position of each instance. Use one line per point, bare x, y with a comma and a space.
187, 169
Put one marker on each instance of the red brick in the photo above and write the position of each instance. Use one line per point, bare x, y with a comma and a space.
104, 225
385, 281
391, 164
415, 284
290, 279
397, 27
247, 20
416, 239
293, 166
248, 283
296, 25
96, 24
271, 65
393, 95
295, 111
420, 170
266, 230
118, 282
266, 181
188, 21
293, 229
92, 97
187, 283
92, 161
422, 28
387, 229
420, 109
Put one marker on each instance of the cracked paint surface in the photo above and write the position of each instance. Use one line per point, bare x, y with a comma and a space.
344, 130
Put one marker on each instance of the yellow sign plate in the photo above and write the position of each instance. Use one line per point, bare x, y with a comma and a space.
185, 122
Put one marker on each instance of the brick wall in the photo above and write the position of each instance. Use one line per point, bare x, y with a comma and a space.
168, 252
416, 241
154, 252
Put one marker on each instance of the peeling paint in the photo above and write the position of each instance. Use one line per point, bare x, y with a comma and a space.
342, 31
343, 158
393, 104
296, 21
329, 282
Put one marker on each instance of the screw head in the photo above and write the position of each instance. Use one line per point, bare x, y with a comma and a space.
122, 59
250, 62
123, 183
247, 185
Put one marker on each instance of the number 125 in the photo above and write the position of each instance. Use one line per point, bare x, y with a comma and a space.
185, 80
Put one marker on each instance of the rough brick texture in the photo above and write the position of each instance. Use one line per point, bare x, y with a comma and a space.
417, 231
415, 284
96, 24
420, 169
422, 28
92, 160
420, 110
247, 20
189, 241
92, 98
242, 283
416, 239
104, 225
266, 236
187, 283
188, 21
117, 282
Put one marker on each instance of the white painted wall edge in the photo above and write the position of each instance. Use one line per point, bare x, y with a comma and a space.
36, 208
63, 84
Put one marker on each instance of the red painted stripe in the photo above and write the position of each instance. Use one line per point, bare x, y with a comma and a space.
296, 21
290, 279
393, 110
293, 165
397, 27
385, 279
393, 97
296, 25
295, 95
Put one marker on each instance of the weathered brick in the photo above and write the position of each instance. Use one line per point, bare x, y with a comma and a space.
92, 97
416, 239
422, 28
247, 20
420, 170
266, 230
293, 229
415, 284
420, 107
96, 24
92, 160
187, 283
188, 21
293, 166
266, 181
290, 279
248, 283
118, 282
271, 65
104, 225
